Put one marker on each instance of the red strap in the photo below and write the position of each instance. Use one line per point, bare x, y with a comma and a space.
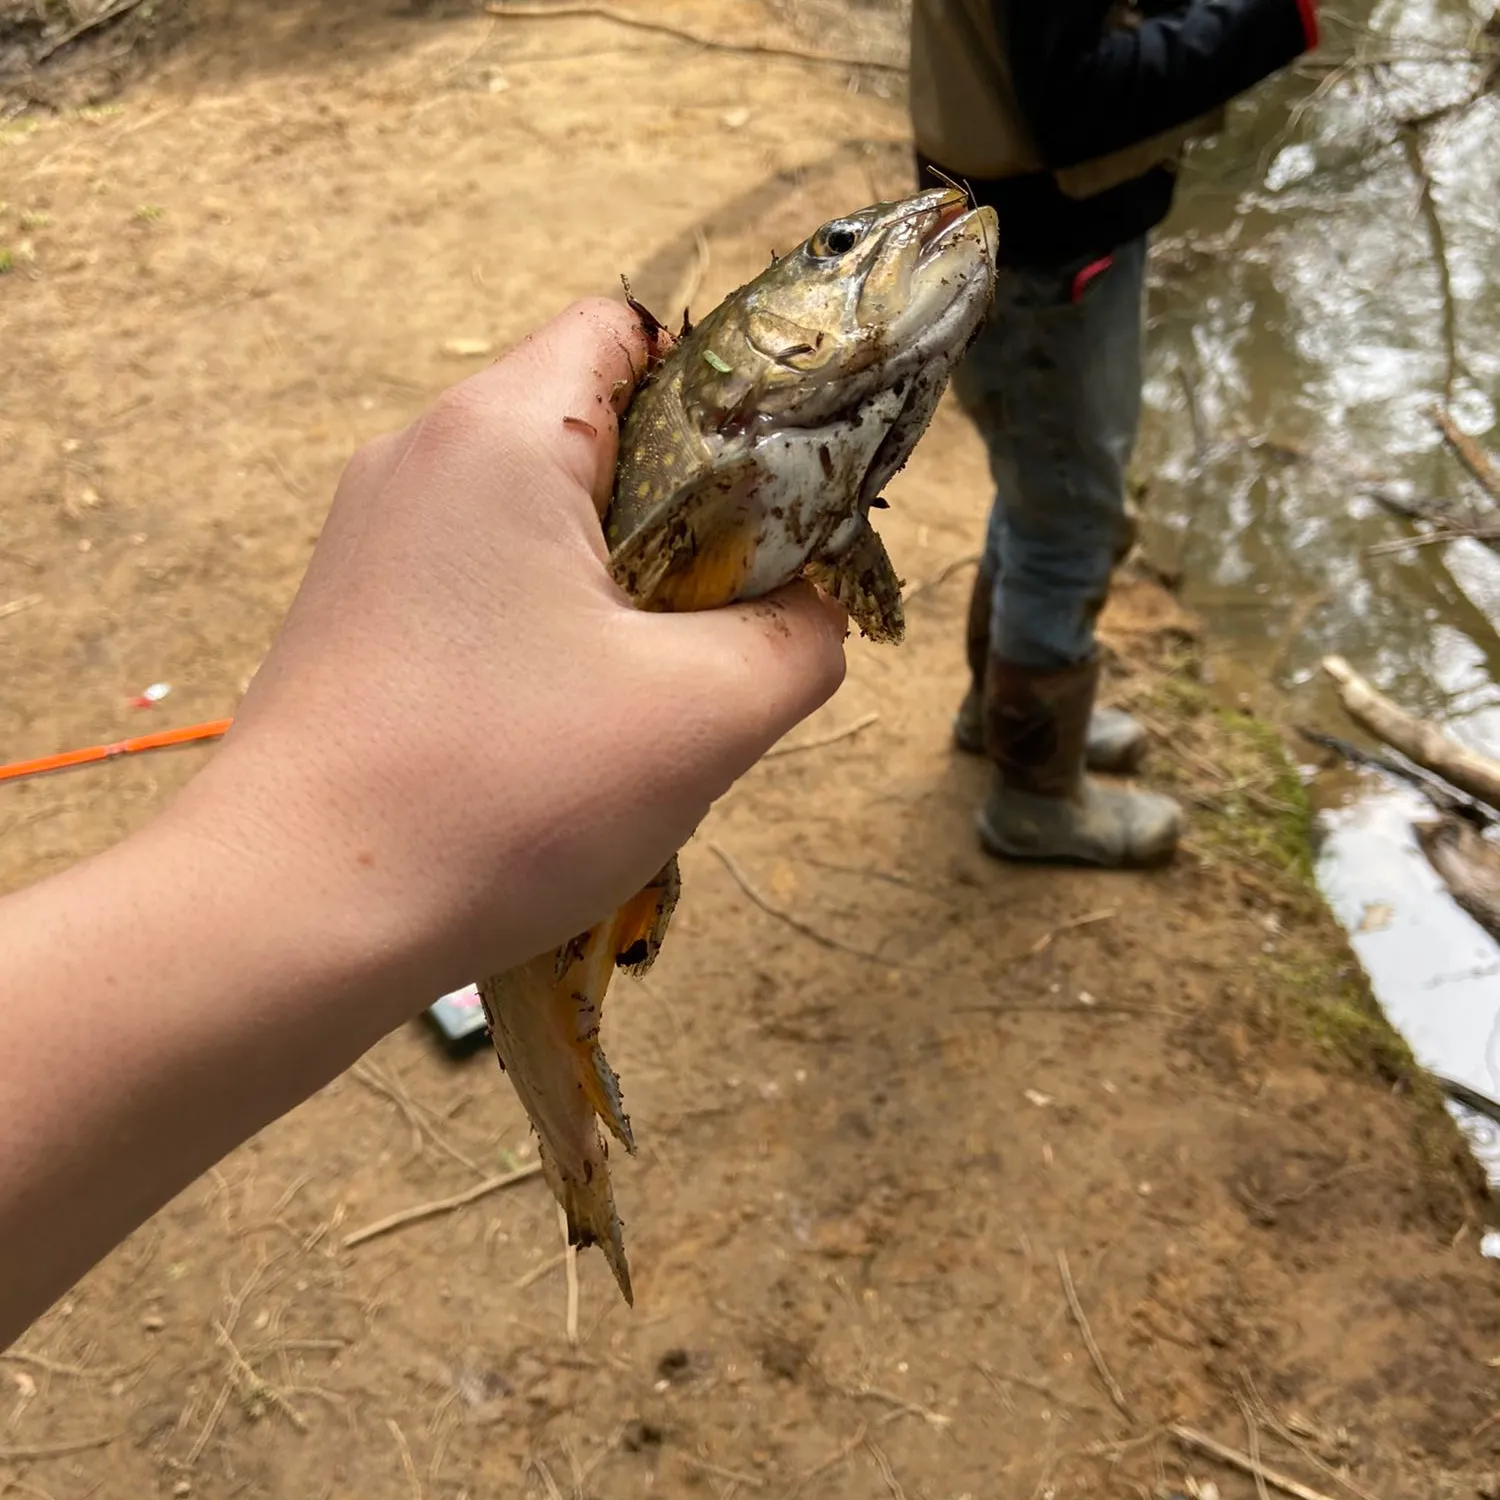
1088, 273
1308, 10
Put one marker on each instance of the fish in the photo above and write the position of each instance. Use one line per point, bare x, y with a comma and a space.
751, 455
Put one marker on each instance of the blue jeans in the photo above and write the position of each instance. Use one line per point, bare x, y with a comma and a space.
1054, 385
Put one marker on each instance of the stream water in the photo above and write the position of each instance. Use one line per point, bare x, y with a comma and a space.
1323, 285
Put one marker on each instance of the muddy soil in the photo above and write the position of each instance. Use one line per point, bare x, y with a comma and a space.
870, 1138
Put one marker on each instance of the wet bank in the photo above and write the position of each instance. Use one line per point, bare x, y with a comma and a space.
1328, 279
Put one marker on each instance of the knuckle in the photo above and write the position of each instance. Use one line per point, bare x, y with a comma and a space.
458, 417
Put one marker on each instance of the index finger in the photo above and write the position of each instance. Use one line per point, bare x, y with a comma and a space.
566, 385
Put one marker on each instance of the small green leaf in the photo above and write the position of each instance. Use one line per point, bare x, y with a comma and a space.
715, 361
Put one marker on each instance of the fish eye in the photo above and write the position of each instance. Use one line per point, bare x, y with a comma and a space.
838, 238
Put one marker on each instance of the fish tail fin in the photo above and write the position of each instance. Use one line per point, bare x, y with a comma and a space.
588, 1204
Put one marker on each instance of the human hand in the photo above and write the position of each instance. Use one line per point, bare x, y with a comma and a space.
465, 745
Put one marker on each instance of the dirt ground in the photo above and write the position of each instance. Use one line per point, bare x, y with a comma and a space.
866, 1139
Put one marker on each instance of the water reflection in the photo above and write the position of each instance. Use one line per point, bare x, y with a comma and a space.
1350, 282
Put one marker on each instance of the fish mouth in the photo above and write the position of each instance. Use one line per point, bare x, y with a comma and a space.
953, 219
949, 212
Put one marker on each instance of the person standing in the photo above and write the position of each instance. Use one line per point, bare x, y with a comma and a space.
1069, 118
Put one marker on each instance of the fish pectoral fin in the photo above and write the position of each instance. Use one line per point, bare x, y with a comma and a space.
640, 926
695, 557
863, 579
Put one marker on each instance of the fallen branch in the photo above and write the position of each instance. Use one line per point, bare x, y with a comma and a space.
1472, 773
1468, 865
440, 1206
1447, 531
682, 34
1437, 237
1470, 1098
1190, 1437
1396, 499
1470, 454
1089, 1342
94, 23
1442, 796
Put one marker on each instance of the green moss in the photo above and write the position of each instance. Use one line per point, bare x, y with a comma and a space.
1250, 813
7, 262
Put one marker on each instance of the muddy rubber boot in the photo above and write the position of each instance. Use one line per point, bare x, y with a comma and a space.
1043, 806
1116, 743
968, 725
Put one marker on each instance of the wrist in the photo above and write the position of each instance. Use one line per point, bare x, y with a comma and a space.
306, 910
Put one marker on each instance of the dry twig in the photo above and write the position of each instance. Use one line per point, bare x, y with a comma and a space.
899, 1405
407, 1463
1089, 1342
256, 1384
56, 1450
210, 1424
536, 1273
731, 1476
682, 34
1190, 1437
942, 575
818, 741
692, 283
1292, 1440
416, 1114
1071, 925
1252, 1437
794, 922
15, 606
72, 1372
1446, 532
887, 1473
824, 1465
441, 1205
548, 1482
570, 1265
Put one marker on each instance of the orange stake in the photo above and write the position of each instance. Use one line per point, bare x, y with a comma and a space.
158, 741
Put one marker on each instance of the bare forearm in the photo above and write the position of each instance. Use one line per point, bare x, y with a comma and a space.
158, 1006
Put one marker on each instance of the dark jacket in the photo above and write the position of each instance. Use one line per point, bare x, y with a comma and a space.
1070, 116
